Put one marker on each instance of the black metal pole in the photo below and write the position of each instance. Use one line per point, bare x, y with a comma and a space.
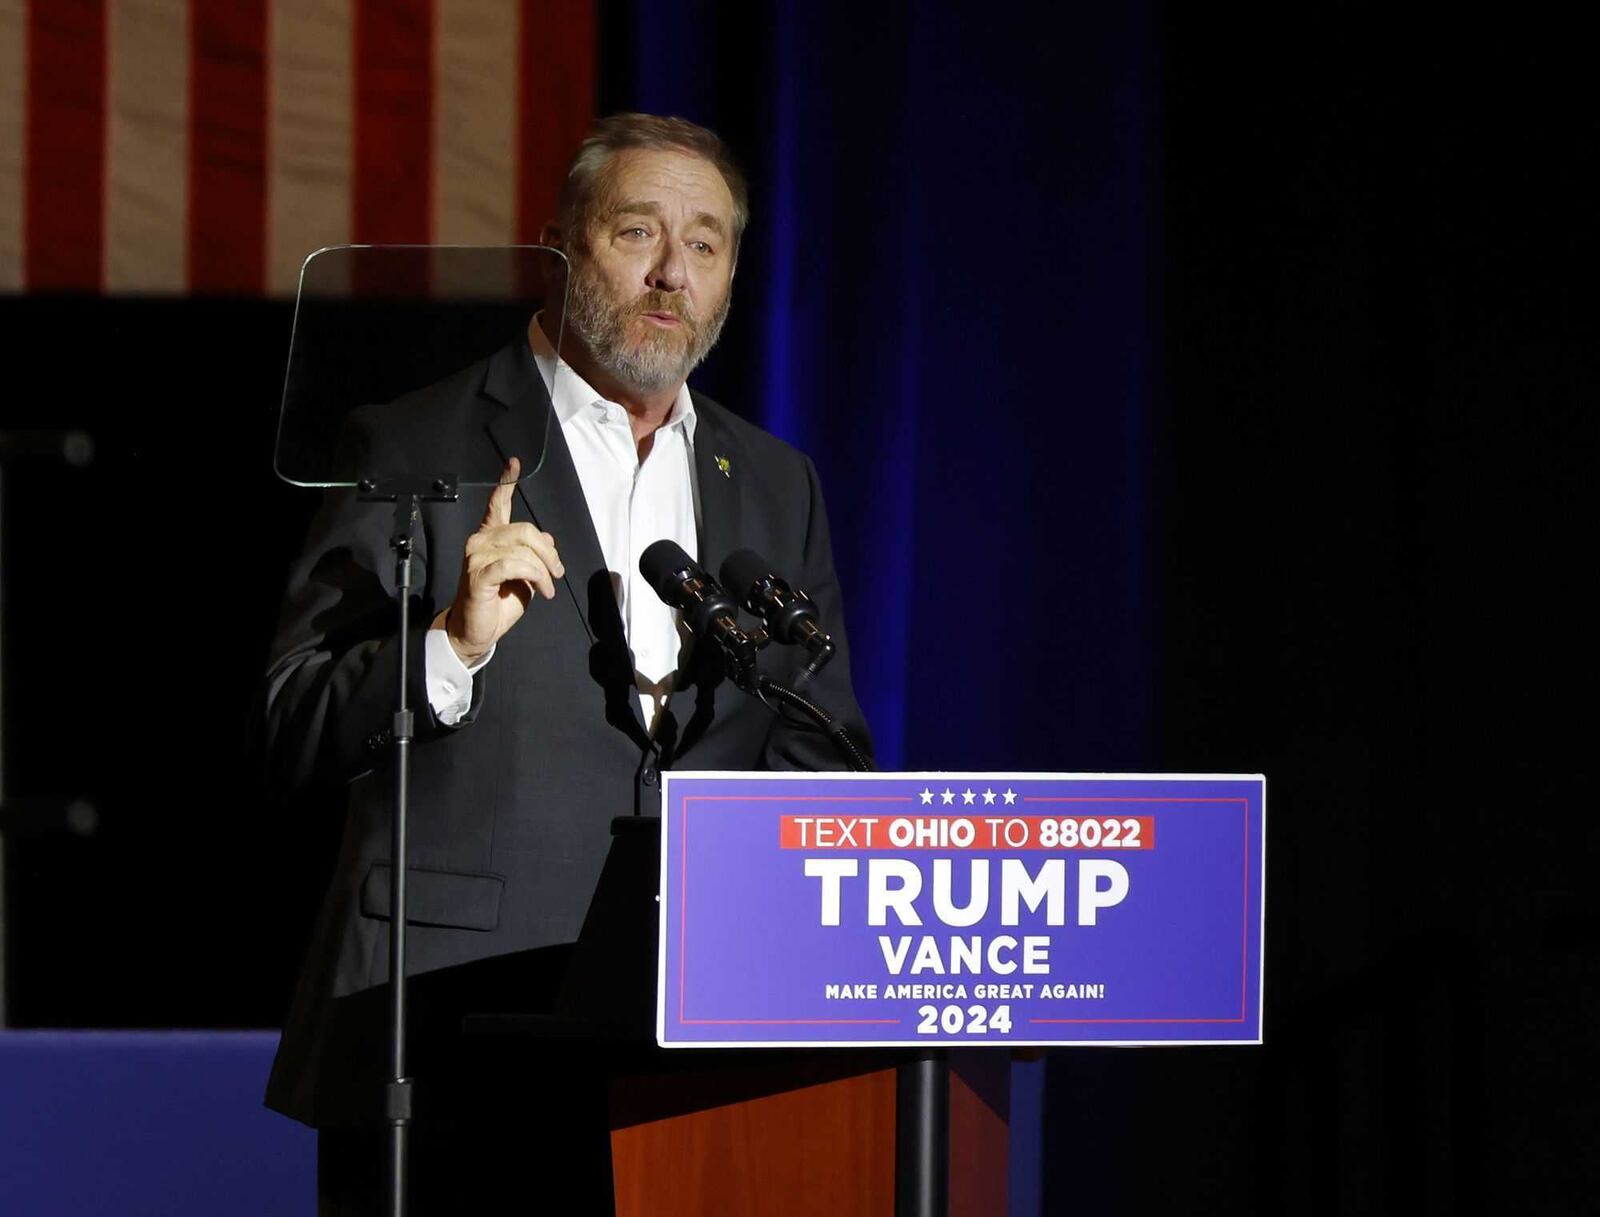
398, 1097
407, 494
922, 1085
922, 1137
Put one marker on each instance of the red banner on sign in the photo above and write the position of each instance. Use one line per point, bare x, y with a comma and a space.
968, 832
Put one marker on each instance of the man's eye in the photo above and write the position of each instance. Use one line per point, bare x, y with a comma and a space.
636, 232
701, 247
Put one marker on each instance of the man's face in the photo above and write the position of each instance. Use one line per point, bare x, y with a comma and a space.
651, 277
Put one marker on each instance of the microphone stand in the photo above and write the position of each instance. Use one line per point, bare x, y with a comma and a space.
922, 1084
766, 687
407, 494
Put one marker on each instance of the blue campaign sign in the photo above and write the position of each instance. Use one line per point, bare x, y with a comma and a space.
888, 909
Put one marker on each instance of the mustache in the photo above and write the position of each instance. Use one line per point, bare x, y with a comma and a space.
657, 301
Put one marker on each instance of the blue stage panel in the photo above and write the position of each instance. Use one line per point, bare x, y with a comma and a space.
128, 1123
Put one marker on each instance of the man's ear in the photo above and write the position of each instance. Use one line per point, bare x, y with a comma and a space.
551, 235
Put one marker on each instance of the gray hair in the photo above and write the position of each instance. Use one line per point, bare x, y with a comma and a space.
621, 132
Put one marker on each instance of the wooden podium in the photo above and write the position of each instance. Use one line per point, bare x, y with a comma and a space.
751, 1132
812, 1135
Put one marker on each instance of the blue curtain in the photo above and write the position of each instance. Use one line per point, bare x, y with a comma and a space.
947, 299
950, 298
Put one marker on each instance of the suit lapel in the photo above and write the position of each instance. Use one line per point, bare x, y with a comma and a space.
719, 467
525, 427
552, 496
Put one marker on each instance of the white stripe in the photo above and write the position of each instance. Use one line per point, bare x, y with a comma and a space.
310, 136
475, 133
147, 146
13, 95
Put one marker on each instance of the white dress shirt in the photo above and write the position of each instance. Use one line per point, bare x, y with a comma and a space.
632, 504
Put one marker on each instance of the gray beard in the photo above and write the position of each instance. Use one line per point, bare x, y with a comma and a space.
663, 359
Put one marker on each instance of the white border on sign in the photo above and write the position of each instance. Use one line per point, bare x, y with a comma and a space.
942, 1040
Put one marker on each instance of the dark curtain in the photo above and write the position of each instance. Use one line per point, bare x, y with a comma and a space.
1202, 390
946, 299
949, 299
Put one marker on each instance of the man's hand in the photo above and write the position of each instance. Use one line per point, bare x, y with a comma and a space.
504, 566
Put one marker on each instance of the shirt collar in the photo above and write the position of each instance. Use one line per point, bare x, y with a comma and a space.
571, 394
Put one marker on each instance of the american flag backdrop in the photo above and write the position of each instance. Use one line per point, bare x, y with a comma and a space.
207, 146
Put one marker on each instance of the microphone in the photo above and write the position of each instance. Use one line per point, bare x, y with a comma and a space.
790, 615
708, 610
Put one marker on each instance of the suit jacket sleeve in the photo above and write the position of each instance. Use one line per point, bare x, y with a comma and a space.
333, 671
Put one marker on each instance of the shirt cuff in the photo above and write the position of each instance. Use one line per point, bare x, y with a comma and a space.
449, 680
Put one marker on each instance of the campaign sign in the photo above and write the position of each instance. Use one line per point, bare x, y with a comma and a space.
897, 909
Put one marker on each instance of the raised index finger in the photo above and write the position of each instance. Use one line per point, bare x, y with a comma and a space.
499, 509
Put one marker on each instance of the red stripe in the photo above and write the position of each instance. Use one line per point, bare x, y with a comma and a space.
393, 188
64, 207
228, 146
555, 102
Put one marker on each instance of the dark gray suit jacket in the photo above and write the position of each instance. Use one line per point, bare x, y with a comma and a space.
510, 809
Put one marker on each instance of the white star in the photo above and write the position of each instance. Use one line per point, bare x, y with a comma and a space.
949, 796
967, 796
988, 796
1010, 797
927, 796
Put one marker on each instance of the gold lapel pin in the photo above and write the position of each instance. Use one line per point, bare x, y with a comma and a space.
724, 465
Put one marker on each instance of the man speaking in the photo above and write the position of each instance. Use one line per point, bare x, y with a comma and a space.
557, 684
